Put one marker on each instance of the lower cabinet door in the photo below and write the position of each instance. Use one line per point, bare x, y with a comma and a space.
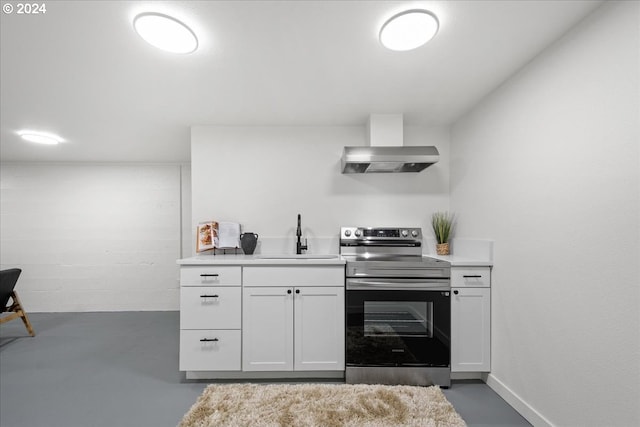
471, 330
319, 328
210, 350
267, 329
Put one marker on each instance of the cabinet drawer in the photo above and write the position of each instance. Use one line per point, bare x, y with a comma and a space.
294, 276
210, 307
475, 277
210, 350
209, 275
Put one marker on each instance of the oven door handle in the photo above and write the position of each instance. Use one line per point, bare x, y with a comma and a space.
386, 244
398, 284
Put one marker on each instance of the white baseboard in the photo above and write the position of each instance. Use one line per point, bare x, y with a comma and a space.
529, 413
264, 375
467, 376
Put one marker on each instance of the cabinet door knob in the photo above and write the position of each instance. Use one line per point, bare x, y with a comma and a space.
297, 291
288, 291
455, 292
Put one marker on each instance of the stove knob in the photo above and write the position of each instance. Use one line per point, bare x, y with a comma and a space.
414, 233
405, 233
347, 233
358, 233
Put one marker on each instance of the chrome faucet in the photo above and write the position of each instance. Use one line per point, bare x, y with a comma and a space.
299, 246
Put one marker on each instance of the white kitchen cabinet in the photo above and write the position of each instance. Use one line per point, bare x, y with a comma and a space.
210, 318
330, 275
319, 328
210, 276
470, 320
210, 350
295, 327
210, 307
470, 277
267, 329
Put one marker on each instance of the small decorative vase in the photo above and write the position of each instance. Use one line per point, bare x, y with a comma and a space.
248, 242
442, 248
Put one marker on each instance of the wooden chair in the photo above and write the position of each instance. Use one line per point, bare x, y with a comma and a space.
8, 280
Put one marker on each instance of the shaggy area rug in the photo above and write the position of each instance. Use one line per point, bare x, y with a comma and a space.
321, 405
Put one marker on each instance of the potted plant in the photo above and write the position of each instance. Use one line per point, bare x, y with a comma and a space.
442, 223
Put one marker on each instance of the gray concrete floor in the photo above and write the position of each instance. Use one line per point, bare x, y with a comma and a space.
121, 369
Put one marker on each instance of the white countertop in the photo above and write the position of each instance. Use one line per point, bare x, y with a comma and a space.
465, 252
459, 261
262, 259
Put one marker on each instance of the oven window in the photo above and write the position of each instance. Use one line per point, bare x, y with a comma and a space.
398, 318
398, 327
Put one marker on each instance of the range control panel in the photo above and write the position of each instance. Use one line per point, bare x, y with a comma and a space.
380, 233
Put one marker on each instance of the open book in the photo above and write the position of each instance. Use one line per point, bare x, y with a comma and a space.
213, 235
228, 235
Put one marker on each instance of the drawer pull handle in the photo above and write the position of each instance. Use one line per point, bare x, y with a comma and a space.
209, 296
209, 275
474, 276
209, 340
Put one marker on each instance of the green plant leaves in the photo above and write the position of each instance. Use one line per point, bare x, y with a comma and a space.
442, 223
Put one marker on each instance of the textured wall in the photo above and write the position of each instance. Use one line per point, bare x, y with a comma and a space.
548, 166
92, 237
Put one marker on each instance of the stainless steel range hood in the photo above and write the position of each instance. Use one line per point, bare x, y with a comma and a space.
386, 152
388, 159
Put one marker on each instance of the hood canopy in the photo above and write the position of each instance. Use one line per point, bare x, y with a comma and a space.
386, 152
388, 159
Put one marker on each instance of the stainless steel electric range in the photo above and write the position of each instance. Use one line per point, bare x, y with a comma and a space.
397, 308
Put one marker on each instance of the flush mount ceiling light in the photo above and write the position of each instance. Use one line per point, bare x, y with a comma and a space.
409, 29
40, 137
165, 32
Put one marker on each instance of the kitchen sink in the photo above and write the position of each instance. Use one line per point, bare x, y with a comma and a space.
294, 256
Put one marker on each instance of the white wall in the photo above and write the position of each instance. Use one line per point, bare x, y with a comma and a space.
187, 236
548, 167
262, 177
92, 237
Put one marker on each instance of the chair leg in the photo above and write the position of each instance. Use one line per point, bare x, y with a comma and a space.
23, 314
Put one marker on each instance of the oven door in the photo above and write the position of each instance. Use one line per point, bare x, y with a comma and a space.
399, 322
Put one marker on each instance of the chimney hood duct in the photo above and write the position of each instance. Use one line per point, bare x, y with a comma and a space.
386, 152
388, 159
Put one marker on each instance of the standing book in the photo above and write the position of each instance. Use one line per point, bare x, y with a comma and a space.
207, 236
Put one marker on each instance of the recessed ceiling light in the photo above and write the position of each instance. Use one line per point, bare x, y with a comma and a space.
165, 32
409, 29
40, 137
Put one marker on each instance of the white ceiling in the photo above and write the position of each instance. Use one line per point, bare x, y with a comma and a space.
81, 71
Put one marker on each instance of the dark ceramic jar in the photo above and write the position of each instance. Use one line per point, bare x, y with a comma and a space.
248, 242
